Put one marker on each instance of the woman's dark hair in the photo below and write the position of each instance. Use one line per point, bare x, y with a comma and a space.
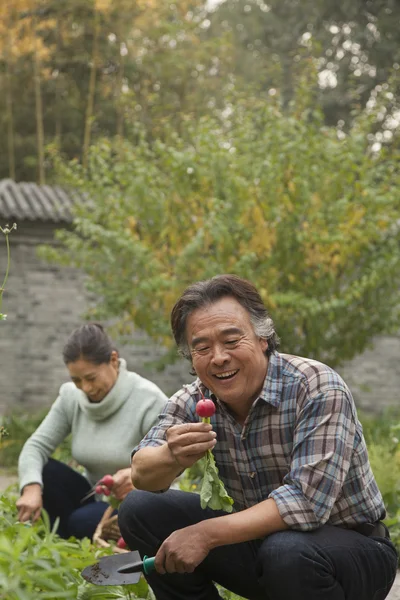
204, 293
89, 342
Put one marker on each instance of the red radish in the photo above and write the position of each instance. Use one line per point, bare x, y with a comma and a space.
107, 480
121, 543
101, 489
205, 408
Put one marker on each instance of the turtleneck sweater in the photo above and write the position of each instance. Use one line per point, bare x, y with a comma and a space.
103, 433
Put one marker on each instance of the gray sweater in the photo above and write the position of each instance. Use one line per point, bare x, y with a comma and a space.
103, 433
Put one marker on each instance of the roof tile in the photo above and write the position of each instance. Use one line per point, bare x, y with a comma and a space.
32, 202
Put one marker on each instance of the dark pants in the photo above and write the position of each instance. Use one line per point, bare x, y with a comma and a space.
63, 489
330, 563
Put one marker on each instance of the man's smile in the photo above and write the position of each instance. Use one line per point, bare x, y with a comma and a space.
226, 374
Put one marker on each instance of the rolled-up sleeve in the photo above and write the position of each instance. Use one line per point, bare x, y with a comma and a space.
322, 449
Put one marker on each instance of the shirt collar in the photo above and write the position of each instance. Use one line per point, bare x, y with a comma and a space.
272, 388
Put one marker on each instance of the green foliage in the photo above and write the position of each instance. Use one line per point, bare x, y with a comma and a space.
356, 43
274, 197
42, 552
168, 62
151, 63
383, 440
19, 427
213, 493
36, 562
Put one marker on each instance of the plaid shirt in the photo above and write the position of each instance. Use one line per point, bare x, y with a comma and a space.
301, 444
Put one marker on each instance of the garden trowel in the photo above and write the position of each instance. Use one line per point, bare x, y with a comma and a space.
119, 569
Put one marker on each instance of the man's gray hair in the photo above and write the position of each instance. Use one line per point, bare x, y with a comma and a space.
204, 293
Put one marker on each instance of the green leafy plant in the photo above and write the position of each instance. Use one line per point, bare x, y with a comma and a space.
382, 435
275, 197
20, 426
6, 231
212, 493
36, 563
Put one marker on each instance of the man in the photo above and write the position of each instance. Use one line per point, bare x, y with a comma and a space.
290, 451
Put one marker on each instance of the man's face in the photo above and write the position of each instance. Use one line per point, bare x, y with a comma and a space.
227, 355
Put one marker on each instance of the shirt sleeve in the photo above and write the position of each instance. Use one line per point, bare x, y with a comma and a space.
322, 449
41, 444
179, 409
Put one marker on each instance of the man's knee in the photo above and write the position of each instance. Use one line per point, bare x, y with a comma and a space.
134, 506
290, 556
139, 517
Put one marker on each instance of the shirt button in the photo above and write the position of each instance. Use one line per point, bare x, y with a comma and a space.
252, 474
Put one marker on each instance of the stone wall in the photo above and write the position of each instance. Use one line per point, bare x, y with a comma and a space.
374, 375
44, 303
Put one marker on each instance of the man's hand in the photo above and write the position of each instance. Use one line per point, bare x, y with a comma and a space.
189, 442
122, 483
30, 504
182, 551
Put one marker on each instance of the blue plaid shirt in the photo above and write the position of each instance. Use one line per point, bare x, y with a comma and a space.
301, 444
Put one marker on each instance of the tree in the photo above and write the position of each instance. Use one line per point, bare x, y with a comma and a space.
275, 197
356, 43
75, 71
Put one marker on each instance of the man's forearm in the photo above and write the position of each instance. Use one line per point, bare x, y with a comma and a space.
154, 469
250, 524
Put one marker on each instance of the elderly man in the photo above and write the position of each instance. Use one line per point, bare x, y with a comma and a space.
290, 451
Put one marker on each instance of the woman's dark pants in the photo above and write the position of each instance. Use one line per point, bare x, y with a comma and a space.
330, 563
63, 489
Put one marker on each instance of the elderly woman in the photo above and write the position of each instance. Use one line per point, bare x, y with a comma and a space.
108, 410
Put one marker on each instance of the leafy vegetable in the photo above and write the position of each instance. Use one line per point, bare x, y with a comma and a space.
212, 493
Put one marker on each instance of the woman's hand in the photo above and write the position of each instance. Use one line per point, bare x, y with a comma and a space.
30, 504
122, 483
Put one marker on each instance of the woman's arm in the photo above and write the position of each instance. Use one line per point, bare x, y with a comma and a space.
42, 443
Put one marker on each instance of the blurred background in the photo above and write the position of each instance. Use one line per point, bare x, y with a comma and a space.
149, 144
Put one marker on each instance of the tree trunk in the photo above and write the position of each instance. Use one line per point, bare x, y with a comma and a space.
10, 115
92, 90
38, 108
58, 126
120, 107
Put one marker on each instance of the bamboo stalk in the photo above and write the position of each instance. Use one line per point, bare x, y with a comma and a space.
58, 125
38, 108
91, 93
10, 115
120, 107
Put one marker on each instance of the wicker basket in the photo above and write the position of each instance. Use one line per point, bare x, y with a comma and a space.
108, 530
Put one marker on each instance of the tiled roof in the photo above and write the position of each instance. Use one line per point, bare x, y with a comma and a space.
31, 202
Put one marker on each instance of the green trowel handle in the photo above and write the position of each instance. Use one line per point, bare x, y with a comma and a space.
148, 564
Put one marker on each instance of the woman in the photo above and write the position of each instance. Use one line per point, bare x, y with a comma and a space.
108, 410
